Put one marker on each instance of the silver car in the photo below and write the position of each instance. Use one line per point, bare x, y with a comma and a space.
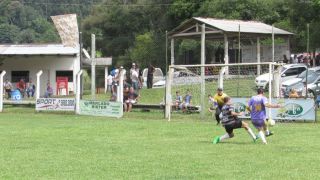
313, 85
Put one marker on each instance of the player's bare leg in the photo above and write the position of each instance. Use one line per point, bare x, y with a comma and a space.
249, 130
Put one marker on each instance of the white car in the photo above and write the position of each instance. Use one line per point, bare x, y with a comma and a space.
288, 71
157, 76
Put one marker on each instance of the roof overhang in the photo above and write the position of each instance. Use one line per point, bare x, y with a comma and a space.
216, 28
38, 50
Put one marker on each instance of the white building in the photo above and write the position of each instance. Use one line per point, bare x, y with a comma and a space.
55, 60
24, 61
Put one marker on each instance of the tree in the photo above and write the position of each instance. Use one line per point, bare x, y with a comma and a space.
8, 33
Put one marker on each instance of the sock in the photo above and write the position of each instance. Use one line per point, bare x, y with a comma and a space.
267, 132
226, 136
251, 133
263, 138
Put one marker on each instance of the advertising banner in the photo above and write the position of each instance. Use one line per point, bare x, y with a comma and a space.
291, 109
101, 108
55, 104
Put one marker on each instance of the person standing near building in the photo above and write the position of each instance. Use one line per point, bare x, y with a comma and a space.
21, 87
151, 70
134, 76
8, 88
49, 91
109, 83
30, 88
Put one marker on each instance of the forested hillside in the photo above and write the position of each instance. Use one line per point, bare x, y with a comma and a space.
135, 30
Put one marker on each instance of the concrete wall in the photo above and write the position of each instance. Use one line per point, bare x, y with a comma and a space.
249, 53
48, 64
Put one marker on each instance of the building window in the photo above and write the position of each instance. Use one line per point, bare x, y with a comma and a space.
16, 76
68, 74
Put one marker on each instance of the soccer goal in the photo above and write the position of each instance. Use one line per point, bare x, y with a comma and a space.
199, 81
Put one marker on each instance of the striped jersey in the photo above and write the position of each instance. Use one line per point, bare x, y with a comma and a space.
227, 117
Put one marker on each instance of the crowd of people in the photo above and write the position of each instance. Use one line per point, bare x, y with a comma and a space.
182, 103
26, 89
303, 58
132, 83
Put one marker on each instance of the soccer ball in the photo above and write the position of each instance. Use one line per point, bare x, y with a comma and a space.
271, 122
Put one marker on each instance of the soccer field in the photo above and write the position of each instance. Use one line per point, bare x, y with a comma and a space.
145, 146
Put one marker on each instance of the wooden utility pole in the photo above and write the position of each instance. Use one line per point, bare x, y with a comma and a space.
93, 66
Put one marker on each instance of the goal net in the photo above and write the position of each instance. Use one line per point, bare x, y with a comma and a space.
198, 82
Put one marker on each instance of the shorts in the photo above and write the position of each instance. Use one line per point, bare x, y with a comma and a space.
259, 123
183, 105
235, 125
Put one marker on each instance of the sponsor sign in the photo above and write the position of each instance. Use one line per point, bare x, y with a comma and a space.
101, 108
55, 104
291, 109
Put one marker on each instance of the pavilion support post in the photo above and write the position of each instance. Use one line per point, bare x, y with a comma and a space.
258, 56
288, 50
172, 51
272, 45
226, 53
203, 60
38, 84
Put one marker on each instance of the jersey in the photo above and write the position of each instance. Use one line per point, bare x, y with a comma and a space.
258, 107
227, 117
179, 99
220, 99
187, 99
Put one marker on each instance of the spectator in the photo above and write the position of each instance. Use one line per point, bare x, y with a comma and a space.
141, 78
293, 94
134, 76
8, 88
178, 100
186, 101
318, 60
30, 88
21, 87
151, 70
49, 91
131, 99
109, 83
114, 73
295, 59
285, 59
125, 98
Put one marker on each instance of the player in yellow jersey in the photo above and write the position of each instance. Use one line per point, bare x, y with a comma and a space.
219, 98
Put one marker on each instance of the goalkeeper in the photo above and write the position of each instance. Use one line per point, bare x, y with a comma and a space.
219, 98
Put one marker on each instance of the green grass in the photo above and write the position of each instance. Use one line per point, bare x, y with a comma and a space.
233, 87
145, 146
147, 96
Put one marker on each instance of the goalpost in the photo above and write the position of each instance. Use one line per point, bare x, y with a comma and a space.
237, 80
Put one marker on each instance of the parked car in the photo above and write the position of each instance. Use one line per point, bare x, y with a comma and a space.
299, 78
181, 77
157, 76
313, 85
288, 71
